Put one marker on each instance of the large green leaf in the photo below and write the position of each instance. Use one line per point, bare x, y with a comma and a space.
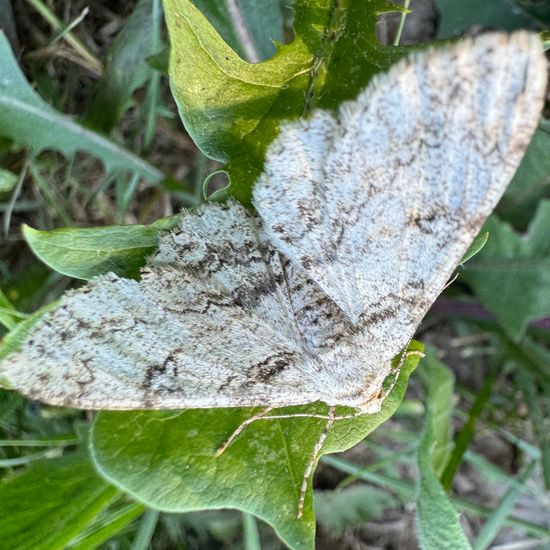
438, 524
50, 503
166, 459
86, 253
27, 119
511, 275
232, 109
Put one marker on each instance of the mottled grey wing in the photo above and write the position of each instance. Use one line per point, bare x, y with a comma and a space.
379, 204
207, 326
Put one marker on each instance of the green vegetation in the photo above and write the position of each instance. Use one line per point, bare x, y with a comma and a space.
94, 162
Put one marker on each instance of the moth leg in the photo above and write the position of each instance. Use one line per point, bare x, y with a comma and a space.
262, 416
396, 370
415, 353
241, 427
313, 459
450, 282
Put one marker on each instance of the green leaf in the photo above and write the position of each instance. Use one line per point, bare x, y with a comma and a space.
511, 275
531, 182
438, 523
7, 181
217, 13
459, 17
50, 503
86, 253
166, 459
27, 119
439, 381
477, 244
262, 20
232, 109
340, 510
126, 68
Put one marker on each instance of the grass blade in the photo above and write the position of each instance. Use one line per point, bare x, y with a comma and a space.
465, 435
497, 519
146, 530
251, 533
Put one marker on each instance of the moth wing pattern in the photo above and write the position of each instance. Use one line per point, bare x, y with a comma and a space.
205, 327
379, 203
364, 216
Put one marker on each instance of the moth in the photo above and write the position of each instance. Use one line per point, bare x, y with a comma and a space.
362, 216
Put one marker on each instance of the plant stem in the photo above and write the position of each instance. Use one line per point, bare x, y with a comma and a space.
404, 14
58, 26
251, 534
146, 530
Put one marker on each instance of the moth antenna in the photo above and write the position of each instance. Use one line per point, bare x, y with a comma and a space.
262, 416
404, 356
240, 428
313, 459
450, 282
